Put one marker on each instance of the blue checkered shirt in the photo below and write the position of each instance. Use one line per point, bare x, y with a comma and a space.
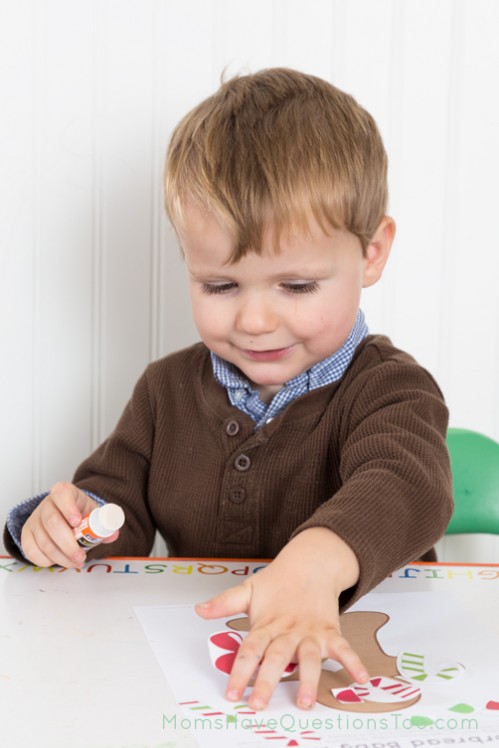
247, 399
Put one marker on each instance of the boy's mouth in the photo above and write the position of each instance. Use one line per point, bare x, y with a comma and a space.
273, 354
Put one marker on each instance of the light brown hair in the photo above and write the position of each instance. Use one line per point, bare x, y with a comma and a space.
273, 149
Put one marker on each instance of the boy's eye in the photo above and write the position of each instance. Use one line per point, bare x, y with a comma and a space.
213, 288
301, 287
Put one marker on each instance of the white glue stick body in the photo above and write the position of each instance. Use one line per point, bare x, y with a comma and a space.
102, 522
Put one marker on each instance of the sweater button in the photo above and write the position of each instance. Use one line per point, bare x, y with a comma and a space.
242, 463
232, 428
237, 495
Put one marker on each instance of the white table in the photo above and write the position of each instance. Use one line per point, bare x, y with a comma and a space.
76, 670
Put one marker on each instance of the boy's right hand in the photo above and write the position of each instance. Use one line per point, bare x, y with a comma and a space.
47, 536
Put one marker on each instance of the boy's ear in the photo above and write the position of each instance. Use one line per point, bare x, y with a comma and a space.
378, 251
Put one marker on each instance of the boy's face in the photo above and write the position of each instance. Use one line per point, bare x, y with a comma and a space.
276, 315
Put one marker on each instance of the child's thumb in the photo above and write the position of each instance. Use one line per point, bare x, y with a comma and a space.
228, 603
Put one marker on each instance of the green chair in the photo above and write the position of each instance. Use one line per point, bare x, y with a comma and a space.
475, 472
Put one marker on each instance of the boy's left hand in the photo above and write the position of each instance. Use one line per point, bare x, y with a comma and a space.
293, 609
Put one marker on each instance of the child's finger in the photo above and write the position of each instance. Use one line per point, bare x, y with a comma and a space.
277, 657
53, 531
309, 659
42, 550
57, 541
31, 550
70, 501
230, 602
340, 650
249, 657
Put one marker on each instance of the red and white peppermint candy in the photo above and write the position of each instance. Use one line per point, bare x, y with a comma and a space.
380, 689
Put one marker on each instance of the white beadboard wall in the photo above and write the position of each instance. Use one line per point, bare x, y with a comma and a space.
92, 287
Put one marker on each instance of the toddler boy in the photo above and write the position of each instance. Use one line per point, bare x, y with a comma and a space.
289, 432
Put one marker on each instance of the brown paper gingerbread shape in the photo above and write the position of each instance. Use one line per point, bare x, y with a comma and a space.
360, 629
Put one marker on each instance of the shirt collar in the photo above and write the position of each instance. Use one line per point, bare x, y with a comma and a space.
246, 398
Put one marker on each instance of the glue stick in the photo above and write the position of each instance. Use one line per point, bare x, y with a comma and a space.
99, 524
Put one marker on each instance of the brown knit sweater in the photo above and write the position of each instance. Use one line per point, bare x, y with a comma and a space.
365, 457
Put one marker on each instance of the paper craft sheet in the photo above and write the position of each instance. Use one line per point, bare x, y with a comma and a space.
436, 675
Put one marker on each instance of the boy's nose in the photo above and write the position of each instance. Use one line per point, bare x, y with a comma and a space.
255, 316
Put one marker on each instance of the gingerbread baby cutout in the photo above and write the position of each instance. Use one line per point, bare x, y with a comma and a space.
386, 690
